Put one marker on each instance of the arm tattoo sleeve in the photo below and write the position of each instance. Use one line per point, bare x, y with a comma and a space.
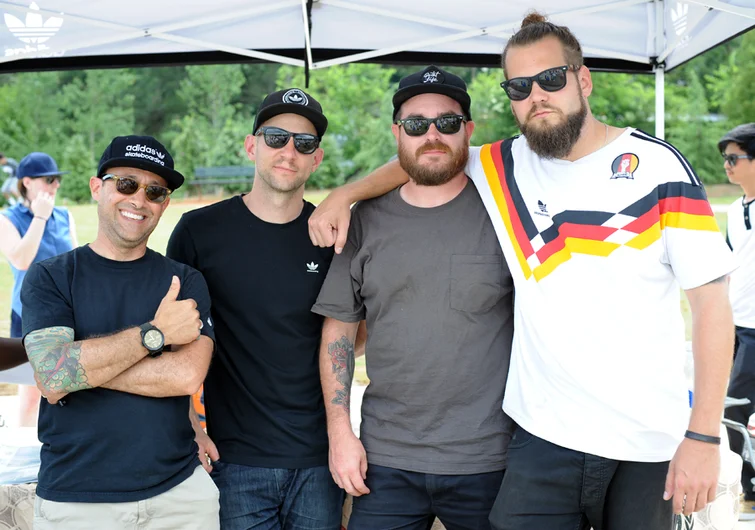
342, 359
55, 359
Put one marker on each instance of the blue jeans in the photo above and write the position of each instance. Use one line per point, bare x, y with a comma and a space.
550, 487
408, 500
277, 499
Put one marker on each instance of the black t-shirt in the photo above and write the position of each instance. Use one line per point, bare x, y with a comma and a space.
263, 399
105, 445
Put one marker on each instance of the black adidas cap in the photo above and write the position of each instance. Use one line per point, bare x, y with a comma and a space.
141, 152
742, 135
293, 101
432, 80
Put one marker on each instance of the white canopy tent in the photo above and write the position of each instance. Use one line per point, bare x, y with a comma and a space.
617, 35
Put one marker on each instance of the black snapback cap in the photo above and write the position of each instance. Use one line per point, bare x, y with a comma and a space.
432, 80
291, 101
141, 152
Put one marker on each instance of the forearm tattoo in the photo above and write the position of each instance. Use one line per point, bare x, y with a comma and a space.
342, 358
55, 359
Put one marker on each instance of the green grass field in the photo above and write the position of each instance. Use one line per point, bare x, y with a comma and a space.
86, 229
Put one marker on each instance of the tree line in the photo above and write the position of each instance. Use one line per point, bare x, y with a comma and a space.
203, 113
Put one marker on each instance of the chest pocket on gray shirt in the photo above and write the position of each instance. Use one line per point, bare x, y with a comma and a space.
476, 283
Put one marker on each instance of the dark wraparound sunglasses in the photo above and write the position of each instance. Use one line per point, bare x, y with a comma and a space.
733, 159
52, 178
277, 138
129, 186
447, 124
550, 80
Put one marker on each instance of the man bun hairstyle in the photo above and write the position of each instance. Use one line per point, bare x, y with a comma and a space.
536, 27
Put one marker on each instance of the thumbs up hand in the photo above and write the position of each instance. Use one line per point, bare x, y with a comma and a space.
178, 320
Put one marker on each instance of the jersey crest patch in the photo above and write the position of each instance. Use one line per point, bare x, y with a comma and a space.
624, 166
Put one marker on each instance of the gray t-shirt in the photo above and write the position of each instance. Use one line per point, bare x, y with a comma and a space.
438, 299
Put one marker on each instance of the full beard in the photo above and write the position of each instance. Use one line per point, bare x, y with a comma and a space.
558, 140
436, 175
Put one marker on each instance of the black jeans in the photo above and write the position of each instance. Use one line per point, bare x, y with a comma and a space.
410, 501
550, 487
742, 385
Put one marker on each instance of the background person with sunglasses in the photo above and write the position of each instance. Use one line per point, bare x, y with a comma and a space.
422, 264
264, 407
119, 337
602, 226
31, 231
738, 149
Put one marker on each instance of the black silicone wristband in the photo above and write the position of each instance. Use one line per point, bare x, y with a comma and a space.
715, 440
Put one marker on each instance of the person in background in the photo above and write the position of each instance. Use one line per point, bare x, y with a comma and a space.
9, 188
32, 230
738, 149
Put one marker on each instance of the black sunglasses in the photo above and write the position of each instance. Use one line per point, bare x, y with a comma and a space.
732, 159
52, 178
277, 138
447, 124
129, 186
550, 80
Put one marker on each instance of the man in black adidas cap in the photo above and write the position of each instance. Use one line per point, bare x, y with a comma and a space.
119, 337
265, 415
422, 264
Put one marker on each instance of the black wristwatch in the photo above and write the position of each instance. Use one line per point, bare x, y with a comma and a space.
152, 339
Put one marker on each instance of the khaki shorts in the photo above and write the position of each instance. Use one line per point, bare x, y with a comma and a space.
192, 505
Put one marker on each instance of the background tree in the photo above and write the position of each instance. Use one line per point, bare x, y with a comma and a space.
203, 113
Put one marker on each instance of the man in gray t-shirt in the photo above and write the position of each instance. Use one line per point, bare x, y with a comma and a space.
423, 266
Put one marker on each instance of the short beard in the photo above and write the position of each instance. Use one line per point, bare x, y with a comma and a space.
433, 176
556, 141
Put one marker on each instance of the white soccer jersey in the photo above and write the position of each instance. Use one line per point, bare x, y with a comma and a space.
739, 232
598, 249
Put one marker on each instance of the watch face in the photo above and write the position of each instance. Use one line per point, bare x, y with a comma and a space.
153, 339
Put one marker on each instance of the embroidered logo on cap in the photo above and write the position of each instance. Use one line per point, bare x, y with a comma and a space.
142, 151
295, 96
433, 76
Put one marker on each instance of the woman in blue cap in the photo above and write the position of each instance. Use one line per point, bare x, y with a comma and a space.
30, 231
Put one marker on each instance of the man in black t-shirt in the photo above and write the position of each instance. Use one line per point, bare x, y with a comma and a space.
119, 337
263, 401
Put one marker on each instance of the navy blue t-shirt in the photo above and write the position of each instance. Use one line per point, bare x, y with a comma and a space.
263, 398
105, 445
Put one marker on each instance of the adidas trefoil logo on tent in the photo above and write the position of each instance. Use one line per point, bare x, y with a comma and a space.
34, 30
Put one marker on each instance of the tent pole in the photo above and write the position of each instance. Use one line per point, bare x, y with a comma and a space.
660, 102
660, 70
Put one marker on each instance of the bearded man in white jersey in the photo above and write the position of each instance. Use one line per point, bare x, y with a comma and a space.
605, 224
